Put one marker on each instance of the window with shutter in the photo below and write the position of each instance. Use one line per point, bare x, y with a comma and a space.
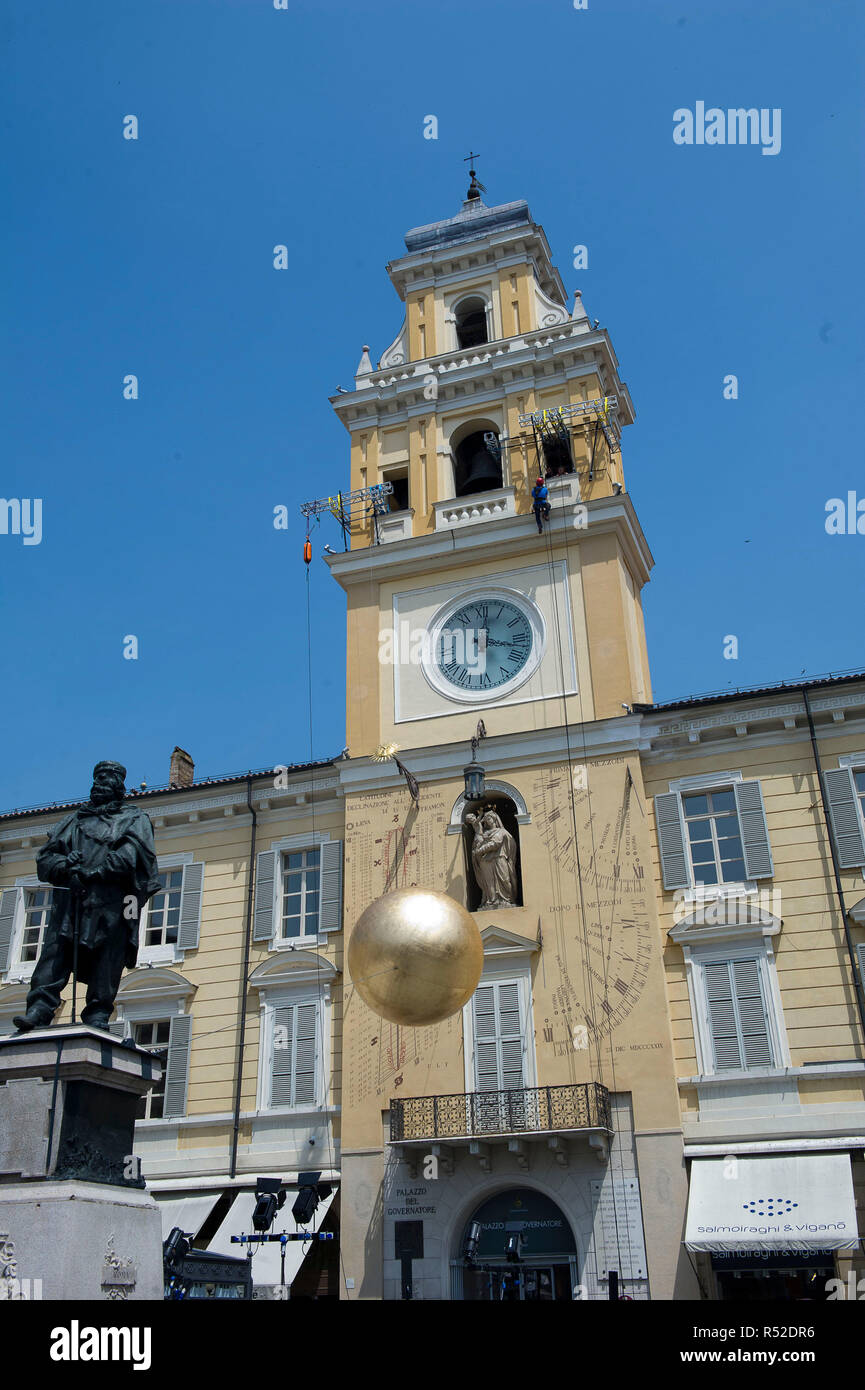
155, 1035
162, 920
499, 1046
294, 1055
265, 869
845, 793
300, 899
190, 906
8, 907
737, 1015
671, 841
330, 909
177, 1067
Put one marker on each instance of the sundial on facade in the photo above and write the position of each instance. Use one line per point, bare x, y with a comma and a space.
614, 899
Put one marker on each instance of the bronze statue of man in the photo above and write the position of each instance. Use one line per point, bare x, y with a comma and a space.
101, 861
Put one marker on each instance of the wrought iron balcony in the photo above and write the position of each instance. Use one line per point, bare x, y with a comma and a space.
483, 1114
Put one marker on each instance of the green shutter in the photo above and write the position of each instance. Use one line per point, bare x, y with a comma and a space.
753, 829
844, 817
8, 904
330, 888
177, 1068
264, 890
675, 864
190, 907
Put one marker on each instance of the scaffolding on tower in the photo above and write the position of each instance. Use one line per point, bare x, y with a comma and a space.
552, 434
358, 505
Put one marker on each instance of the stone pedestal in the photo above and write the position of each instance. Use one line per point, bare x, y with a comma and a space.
74, 1212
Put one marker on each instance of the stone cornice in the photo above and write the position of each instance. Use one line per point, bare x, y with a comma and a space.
526, 239
232, 802
503, 756
522, 354
739, 717
441, 550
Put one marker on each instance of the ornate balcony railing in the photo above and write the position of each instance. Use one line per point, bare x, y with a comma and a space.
541, 1109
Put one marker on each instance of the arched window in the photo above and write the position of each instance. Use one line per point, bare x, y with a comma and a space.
471, 322
477, 461
491, 837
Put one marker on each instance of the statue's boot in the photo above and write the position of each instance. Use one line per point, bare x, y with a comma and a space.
25, 1022
96, 1021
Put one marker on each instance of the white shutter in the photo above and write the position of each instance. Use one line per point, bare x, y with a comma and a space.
675, 861
8, 905
330, 886
177, 1069
844, 817
737, 1015
753, 829
499, 1045
190, 906
294, 1055
264, 891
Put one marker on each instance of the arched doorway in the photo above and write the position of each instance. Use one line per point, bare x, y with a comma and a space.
517, 1246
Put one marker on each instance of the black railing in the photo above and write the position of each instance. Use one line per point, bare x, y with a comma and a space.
519, 1111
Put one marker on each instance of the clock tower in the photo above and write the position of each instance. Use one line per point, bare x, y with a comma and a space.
492, 381
466, 604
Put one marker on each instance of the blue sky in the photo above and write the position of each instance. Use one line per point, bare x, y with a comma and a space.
305, 127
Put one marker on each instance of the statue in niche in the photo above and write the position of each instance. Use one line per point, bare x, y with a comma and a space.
101, 861
494, 860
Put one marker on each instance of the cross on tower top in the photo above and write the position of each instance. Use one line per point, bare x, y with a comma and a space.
476, 188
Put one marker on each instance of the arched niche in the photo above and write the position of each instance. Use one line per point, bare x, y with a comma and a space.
471, 321
455, 824
494, 879
477, 457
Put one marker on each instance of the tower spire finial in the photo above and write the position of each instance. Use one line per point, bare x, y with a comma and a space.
476, 188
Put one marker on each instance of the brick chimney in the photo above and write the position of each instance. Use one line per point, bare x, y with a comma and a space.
182, 771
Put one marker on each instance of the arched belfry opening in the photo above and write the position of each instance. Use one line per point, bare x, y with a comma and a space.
491, 839
471, 322
477, 458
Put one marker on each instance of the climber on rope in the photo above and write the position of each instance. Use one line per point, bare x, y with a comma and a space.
540, 504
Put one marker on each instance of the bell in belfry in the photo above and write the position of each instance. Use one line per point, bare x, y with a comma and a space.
478, 464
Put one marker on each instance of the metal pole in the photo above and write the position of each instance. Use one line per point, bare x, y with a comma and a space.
76, 918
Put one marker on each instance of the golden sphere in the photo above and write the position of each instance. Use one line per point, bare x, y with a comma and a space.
415, 957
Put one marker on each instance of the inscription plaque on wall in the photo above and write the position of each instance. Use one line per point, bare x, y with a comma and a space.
618, 1228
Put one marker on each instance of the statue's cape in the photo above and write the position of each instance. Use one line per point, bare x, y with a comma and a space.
105, 907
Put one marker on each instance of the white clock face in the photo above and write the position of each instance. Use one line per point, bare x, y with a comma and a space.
484, 646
